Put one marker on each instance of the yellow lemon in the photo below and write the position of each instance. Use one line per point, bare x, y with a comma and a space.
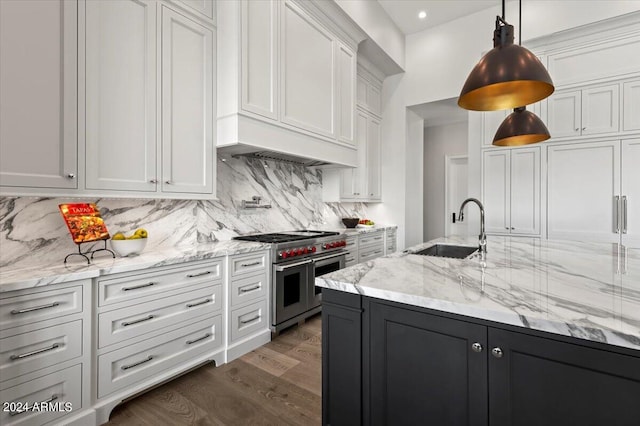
135, 237
118, 236
141, 232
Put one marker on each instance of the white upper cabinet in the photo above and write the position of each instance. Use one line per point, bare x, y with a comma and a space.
187, 105
149, 97
369, 88
120, 97
259, 65
374, 160
202, 8
583, 181
38, 83
511, 191
590, 111
287, 80
630, 193
364, 183
631, 103
307, 63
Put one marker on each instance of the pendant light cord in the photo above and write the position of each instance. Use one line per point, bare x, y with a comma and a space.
503, 1
519, 22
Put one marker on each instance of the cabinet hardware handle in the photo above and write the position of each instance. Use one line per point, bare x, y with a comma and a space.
149, 284
46, 401
476, 347
584, 128
199, 274
135, 364
497, 352
624, 214
153, 181
35, 308
577, 129
191, 342
246, 290
168, 182
506, 227
191, 305
250, 264
513, 229
616, 214
250, 320
71, 175
36, 352
125, 324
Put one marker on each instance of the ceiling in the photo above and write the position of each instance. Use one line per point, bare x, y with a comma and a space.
405, 12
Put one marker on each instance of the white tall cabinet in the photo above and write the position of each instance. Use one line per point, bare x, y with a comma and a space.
38, 106
511, 191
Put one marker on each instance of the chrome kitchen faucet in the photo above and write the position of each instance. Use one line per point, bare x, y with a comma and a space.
482, 237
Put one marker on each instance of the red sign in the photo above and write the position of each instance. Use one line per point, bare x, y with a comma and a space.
84, 222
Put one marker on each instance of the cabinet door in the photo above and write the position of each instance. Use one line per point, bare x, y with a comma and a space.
353, 181
582, 182
496, 189
346, 77
259, 53
631, 192
361, 91
563, 111
631, 102
308, 88
120, 95
600, 110
187, 105
38, 82
423, 367
206, 8
491, 120
525, 191
374, 161
541, 381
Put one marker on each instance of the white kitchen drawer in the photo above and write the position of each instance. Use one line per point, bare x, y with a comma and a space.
370, 253
38, 306
391, 232
144, 360
352, 242
138, 320
248, 263
249, 319
351, 258
63, 388
250, 288
27, 352
131, 286
371, 238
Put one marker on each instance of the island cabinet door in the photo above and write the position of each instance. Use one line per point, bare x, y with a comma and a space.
539, 381
425, 369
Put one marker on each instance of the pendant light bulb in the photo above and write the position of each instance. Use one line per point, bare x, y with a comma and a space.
521, 127
508, 76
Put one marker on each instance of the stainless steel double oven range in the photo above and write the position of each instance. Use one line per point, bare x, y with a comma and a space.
297, 258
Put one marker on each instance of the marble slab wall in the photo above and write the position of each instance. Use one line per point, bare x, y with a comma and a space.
32, 231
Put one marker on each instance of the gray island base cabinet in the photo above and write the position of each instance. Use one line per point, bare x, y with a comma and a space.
386, 363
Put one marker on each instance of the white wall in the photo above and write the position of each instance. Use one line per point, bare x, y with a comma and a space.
439, 141
439, 60
414, 180
374, 21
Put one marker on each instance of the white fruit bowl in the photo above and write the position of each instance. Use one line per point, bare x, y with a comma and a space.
361, 225
126, 248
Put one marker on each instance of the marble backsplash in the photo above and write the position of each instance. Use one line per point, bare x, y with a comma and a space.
32, 231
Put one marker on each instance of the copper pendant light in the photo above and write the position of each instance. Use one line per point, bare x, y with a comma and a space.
521, 127
508, 76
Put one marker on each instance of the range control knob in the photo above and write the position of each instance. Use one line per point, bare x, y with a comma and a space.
295, 252
333, 244
283, 254
304, 250
325, 246
290, 253
313, 249
343, 243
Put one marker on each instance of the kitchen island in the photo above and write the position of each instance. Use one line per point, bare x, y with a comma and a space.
537, 332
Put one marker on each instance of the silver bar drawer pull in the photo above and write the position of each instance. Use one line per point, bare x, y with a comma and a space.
245, 265
45, 402
257, 317
36, 352
616, 214
191, 305
191, 342
624, 214
125, 324
35, 308
138, 286
198, 274
135, 364
246, 290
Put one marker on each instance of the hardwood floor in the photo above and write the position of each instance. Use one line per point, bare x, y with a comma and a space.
279, 383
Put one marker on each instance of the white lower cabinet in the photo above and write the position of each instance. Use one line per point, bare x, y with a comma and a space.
145, 361
45, 354
248, 319
351, 258
391, 240
370, 245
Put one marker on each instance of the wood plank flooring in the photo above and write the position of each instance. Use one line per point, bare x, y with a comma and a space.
279, 383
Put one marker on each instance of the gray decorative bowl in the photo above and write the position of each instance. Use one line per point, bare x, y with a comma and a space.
350, 222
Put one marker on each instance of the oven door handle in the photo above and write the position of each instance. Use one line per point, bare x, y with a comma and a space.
331, 256
280, 268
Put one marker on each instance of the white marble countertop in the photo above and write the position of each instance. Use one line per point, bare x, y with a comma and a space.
355, 231
103, 264
585, 290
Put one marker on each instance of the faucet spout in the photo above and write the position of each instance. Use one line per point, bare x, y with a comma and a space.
482, 237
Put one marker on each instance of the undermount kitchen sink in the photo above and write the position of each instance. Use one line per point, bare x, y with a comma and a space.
446, 250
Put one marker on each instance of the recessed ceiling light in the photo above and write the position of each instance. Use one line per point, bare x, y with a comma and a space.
422, 14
